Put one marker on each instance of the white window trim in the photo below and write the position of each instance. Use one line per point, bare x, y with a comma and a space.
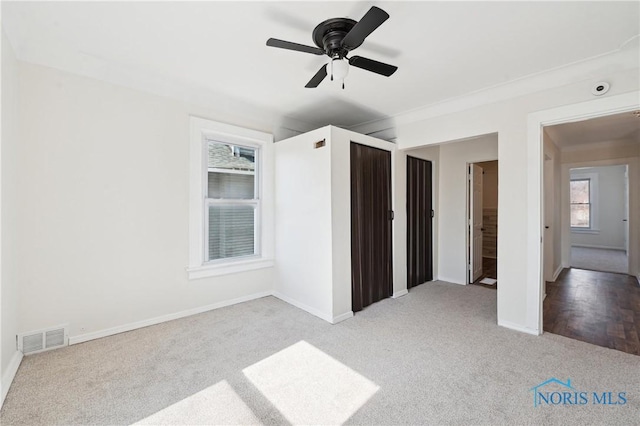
593, 200
202, 130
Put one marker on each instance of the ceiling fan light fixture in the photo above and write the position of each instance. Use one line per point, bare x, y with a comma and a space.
339, 68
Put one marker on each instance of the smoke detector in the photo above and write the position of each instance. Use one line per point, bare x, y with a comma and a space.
600, 88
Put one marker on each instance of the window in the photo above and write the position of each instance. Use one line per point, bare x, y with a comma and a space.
229, 178
232, 219
580, 192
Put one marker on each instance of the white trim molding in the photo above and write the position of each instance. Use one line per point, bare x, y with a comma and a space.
598, 246
519, 328
9, 375
328, 317
400, 293
625, 59
557, 273
164, 318
342, 317
229, 268
451, 281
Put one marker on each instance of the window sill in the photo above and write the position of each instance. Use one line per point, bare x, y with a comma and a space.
585, 231
227, 268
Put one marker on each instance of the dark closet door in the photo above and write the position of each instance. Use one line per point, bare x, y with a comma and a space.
419, 222
371, 215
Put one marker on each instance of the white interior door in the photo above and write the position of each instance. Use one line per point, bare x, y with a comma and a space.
475, 222
625, 219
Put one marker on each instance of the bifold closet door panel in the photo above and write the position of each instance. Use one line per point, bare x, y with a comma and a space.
371, 231
419, 222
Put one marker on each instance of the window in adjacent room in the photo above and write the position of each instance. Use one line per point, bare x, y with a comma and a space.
580, 192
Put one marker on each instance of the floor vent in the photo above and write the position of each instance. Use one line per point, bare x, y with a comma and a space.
43, 340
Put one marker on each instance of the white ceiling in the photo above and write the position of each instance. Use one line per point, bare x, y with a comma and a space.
216, 52
624, 126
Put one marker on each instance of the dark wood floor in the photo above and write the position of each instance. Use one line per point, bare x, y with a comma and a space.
489, 270
596, 307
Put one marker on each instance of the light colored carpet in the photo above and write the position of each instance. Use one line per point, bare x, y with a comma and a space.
597, 259
435, 356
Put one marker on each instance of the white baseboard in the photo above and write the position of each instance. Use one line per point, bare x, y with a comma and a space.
342, 317
638, 278
451, 280
518, 327
598, 246
9, 375
400, 293
556, 273
157, 320
313, 311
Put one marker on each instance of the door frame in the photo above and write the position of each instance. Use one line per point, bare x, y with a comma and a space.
471, 225
609, 105
468, 195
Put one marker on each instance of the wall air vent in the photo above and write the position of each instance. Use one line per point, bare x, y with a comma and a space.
43, 340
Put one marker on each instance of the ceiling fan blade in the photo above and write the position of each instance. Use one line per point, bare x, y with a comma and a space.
317, 79
369, 22
373, 66
274, 42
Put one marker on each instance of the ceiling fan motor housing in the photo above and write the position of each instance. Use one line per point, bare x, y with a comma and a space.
328, 36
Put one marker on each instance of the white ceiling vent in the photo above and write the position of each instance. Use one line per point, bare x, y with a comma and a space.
43, 340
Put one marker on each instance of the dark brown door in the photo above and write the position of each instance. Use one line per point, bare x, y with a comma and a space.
371, 215
419, 222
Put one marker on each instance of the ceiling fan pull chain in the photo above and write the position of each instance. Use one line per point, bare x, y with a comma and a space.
332, 70
342, 84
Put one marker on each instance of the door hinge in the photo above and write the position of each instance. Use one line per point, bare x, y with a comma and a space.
391, 215
433, 213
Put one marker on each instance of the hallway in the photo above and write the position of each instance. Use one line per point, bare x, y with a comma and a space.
595, 307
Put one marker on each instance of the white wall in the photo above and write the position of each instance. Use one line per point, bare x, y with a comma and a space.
102, 211
517, 306
9, 356
313, 220
304, 223
452, 240
609, 203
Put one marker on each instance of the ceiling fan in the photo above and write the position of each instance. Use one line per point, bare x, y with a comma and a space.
336, 37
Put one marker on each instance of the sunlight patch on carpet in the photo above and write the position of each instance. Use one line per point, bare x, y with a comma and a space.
308, 386
217, 404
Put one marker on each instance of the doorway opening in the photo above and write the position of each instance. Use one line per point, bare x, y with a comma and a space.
599, 212
590, 201
482, 223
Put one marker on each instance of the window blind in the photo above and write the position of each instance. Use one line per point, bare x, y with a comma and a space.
231, 231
